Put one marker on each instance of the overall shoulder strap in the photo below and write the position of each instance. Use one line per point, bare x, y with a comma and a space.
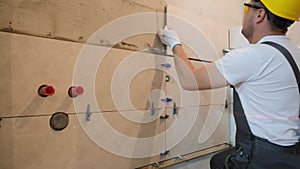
290, 59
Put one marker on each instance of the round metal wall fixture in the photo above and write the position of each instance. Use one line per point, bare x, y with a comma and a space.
59, 121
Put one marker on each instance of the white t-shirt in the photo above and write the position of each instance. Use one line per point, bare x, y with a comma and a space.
267, 88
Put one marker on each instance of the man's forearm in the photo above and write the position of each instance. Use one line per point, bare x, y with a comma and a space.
204, 77
185, 69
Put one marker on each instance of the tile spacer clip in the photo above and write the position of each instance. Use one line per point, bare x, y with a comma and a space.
175, 109
164, 117
88, 113
167, 100
152, 109
166, 65
164, 153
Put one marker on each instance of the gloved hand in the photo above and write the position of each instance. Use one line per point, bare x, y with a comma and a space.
169, 37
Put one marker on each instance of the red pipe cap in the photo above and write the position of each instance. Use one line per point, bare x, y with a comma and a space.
77, 90
48, 90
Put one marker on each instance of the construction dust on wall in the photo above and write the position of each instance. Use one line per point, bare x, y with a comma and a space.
73, 20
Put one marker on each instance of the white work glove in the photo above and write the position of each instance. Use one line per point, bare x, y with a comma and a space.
169, 37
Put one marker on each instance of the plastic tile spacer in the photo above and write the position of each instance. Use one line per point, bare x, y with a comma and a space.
167, 99
88, 113
164, 153
179, 157
166, 65
168, 78
46, 90
75, 91
175, 109
152, 109
164, 117
156, 164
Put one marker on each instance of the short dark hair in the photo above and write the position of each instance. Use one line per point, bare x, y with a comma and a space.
276, 22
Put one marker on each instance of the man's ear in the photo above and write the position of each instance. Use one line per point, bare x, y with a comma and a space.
260, 15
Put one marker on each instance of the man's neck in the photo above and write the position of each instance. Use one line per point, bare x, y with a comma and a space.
258, 36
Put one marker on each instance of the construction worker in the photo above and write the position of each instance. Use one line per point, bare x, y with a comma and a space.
266, 101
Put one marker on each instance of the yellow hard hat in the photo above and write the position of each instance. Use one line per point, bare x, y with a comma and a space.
288, 9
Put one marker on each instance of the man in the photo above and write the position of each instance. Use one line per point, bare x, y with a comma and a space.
267, 117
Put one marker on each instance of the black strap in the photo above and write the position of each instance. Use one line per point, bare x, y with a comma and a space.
289, 58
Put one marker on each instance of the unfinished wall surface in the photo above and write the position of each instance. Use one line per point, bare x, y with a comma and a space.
293, 33
29, 142
212, 18
110, 48
74, 20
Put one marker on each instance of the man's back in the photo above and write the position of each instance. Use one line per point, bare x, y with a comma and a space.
267, 88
